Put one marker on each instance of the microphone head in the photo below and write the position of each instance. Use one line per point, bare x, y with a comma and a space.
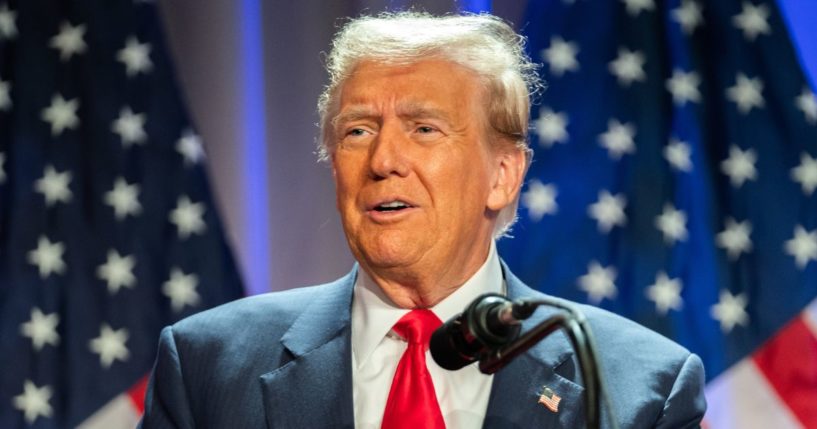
488, 323
449, 348
477, 330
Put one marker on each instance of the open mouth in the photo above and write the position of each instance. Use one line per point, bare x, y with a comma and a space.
392, 206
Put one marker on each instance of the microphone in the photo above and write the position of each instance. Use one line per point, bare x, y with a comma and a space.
488, 323
488, 332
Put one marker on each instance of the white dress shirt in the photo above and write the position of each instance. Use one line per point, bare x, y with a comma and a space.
463, 395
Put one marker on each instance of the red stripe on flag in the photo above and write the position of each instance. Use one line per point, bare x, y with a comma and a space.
137, 394
789, 363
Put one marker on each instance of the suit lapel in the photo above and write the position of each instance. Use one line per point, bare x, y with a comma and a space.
315, 388
514, 400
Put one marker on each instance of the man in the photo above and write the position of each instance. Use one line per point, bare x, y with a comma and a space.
424, 122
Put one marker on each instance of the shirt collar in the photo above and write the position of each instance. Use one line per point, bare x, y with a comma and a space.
373, 313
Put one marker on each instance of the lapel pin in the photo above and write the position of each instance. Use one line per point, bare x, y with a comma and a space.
550, 399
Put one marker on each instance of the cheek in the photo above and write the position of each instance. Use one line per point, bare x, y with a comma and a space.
346, 182
460, 185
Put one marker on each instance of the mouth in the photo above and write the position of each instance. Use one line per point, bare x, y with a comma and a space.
389, 209
391, 206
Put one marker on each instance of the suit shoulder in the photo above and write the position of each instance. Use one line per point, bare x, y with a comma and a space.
612, 331
647, 368
609, 329
615, 329
273, 311
664, 379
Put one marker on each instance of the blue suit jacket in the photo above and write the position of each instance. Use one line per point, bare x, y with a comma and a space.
283, 360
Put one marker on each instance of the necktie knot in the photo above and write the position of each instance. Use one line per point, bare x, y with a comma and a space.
417, 326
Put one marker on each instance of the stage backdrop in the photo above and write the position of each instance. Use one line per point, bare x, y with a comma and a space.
697, 217
673, 183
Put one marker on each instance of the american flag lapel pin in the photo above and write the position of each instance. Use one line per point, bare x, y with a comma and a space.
550, 399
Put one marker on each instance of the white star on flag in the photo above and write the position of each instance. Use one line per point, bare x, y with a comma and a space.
730, 310
187, 216
608, 211
2, 168
61, 114
806, 102
672, 223
41, 329
69, 40
124, 199
110, 345
54, 186
117, 271
747, 93
740, 166
599, 282
181, 289
678, 153
130, 127
684, 87
618, 139
803, 246
561, 56
135, 56
628, 66
752, 20
8, 28
190, 148
688, 15
47, 257
806, 173
735, 238
551, 127
634, 7
33, 402
5, 96
665, 293
540, 199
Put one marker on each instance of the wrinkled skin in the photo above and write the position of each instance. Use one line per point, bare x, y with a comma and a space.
415, 136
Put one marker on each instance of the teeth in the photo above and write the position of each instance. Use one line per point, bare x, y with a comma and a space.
393, 205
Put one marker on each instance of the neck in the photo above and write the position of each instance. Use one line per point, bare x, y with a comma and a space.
425, 286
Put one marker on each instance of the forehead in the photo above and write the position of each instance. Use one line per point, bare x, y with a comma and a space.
423, 84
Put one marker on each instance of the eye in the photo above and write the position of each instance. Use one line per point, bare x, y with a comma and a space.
356, 132
356, 136
427, 133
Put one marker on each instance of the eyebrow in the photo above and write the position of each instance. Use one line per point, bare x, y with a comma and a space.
413, 109
354, 113
409, 110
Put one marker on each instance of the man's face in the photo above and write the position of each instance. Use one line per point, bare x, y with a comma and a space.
418, 185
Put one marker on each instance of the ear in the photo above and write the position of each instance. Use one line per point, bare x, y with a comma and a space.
509, 172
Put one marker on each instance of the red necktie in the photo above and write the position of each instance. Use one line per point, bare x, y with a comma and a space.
412, 401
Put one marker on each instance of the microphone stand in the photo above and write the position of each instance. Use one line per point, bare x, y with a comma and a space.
577, 329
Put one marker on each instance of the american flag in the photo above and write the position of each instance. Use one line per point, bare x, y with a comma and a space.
550, 399
108, 231
674, 182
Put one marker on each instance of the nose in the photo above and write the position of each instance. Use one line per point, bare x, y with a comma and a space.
387, 156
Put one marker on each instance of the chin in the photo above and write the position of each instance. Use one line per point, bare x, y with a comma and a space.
388, 252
